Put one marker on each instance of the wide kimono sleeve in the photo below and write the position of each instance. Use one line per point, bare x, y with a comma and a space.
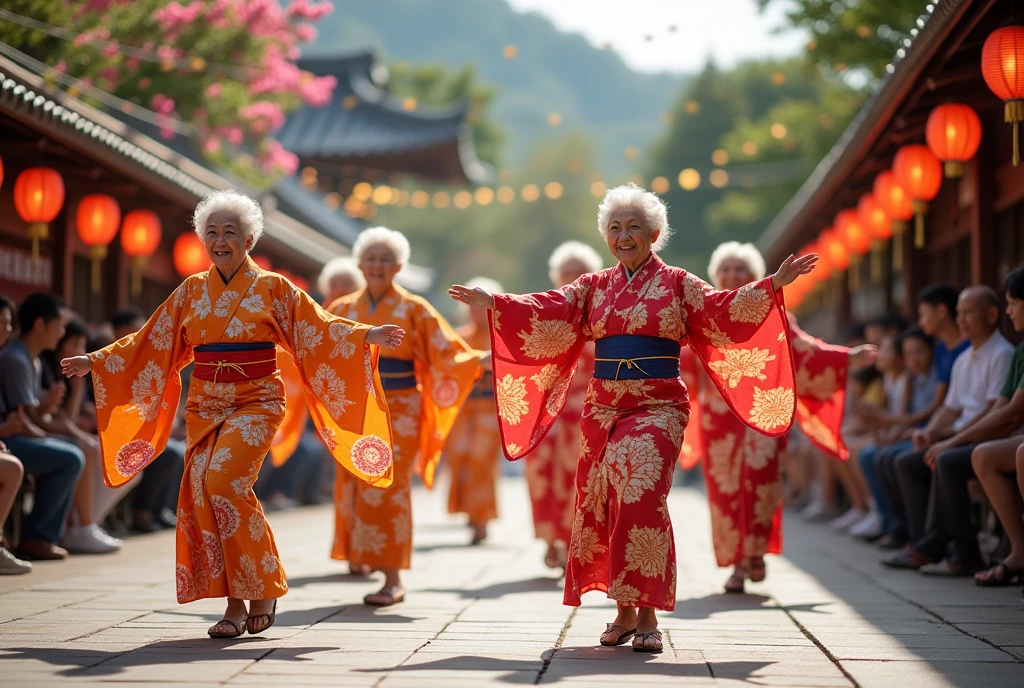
136, 387
447, 368
742, 338
296, 412
693, 440
536, 342
821, 372
338, 369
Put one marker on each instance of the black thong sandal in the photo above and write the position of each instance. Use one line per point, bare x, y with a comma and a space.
624, 635
999, 576
643, 646
271, 618
239, 630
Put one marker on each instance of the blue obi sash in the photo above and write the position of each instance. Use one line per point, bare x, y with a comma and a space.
396, 373
636, 357
484, 387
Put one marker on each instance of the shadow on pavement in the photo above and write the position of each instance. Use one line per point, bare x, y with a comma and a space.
709, 605
498, 590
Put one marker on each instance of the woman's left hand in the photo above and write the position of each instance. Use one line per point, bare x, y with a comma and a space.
792, 268
389, 336
863, 356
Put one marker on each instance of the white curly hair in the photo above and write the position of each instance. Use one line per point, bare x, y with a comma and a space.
237, 203
342, 265
489, 285
374, 236
747, 253
654, 210
570, 251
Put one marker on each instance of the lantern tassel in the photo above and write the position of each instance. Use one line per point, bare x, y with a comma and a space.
1014, 113
37, 231
97, 254
138, 263
920, 208
876, 260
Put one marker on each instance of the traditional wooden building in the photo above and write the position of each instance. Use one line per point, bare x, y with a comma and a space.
366, 133
973, 227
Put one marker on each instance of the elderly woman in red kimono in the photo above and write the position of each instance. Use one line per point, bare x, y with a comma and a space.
228, 320
551, 467
426, 381
638, 313
742, 468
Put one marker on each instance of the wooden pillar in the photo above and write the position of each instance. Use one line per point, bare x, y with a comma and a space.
913, 274
62, 243
978, 189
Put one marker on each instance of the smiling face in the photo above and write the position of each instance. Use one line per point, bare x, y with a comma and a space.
629, 237
917, 355
226, 242
733, 273
379, 267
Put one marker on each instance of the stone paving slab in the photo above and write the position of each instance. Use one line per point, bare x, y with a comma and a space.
828, 615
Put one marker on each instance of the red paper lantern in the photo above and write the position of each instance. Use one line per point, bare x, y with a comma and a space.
262, 261
852, 233
953, 134
879, 227
920, 173
140, 238
190, 256
1002, 65
38, 198
97, 220
834, 250
897, 203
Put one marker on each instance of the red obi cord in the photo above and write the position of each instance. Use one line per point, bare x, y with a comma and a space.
234, 366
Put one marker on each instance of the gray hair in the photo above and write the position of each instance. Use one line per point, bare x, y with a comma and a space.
342, 265
747, 253
648, 204
487, 284
374, 236
237, 203
570, 251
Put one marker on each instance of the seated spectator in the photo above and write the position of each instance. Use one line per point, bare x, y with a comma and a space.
999, 464
6, 319
126, 322
890, 325
917, 393
938, 508
936, 316
93, 499
54, 463
11, 473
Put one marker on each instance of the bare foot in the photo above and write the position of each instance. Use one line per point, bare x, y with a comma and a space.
262, 614
625, 621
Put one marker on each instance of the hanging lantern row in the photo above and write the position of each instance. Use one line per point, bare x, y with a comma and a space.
38, 198
97, 220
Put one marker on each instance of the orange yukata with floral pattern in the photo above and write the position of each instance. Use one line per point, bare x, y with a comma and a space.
622, 541
373, 526
224, 545
743, 469
551, 467
474, 445
296, 413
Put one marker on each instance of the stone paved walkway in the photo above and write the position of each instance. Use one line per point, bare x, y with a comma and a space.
828, 615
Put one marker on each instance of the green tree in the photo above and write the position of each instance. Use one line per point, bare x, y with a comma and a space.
222, 72
861, 35
434, 84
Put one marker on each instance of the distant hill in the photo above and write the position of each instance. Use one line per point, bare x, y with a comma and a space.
592, 89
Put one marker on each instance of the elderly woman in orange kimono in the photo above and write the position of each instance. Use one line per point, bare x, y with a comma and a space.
228, 320
639, 313
551, 467
474, 445
426, 381
742, 468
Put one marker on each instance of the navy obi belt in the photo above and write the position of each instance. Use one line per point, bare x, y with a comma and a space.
484, 387
396, 373
636, 357
228, 362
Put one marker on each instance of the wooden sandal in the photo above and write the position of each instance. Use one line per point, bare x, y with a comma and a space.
385, 597
271, 618
239, 630
623, 637
643, 646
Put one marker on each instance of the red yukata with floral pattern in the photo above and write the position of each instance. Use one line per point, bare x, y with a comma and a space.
551, 467
632, 430
743, 469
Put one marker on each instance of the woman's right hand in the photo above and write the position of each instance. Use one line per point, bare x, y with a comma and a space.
477, 298
76, 366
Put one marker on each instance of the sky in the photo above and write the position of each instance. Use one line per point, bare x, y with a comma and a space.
728, 30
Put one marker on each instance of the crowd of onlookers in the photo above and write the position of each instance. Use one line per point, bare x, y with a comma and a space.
50, 453
934, 431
